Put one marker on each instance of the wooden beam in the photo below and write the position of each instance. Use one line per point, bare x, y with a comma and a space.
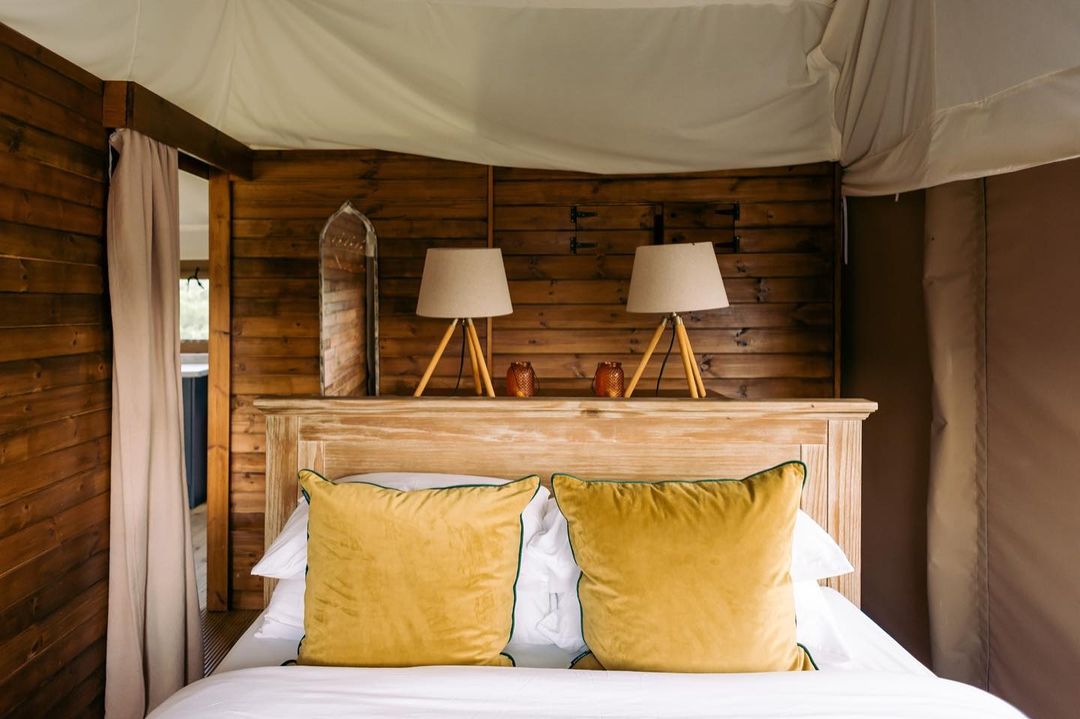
130, 105
839, 259
218, 407
489, 329
193, 166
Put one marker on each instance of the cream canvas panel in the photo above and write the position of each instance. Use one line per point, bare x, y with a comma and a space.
903, 94
943, 90
602, 86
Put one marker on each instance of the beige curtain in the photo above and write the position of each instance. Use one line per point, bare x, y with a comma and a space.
954, 285
154, 638
1002, 296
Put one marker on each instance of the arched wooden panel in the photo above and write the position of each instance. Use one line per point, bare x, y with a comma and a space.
348, 305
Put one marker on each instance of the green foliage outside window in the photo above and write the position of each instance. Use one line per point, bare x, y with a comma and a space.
194, 310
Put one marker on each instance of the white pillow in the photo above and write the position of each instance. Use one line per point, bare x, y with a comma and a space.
814, 553
814, 556
287, 555
816, 627
284, 616
286, 559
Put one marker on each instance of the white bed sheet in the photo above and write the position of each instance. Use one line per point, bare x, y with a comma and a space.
881, 680
457, 692
871, 648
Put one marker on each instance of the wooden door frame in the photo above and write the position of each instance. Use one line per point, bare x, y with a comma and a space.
219, 415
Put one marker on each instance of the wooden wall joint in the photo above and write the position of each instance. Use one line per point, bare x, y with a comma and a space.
490, 326
130, 105
839, 256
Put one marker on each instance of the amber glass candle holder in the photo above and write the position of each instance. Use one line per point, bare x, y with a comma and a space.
608, 380
520, 380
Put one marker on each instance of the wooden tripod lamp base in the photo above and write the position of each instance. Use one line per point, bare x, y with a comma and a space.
460, 283
686, 352
481, 376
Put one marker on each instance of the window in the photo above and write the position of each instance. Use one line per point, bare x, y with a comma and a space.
194, 313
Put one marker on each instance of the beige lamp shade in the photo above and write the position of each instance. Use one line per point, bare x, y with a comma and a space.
464, 282
676, 278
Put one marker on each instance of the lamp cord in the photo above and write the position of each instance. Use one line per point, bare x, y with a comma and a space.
664, 363
461, 362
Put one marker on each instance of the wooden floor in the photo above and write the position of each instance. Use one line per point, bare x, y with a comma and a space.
220, 632
220, 629
198, 547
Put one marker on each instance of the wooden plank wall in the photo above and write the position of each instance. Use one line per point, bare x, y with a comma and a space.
54, 385
777, 341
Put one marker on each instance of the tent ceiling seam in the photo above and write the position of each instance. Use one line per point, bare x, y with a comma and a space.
230, 73
129, 74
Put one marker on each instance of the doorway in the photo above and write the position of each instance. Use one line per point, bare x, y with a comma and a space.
194, 289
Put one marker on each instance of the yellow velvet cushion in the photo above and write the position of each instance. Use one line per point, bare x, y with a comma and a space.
399, 579
687, 576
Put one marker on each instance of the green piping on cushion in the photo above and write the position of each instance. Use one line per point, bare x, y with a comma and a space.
521, 548
426, 489
573, 554
587, 652
521, 532
808, 656
678, 481
578, 658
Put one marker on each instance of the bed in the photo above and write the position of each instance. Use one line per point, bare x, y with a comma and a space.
631, 439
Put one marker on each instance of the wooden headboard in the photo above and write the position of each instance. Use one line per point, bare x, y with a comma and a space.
600, 438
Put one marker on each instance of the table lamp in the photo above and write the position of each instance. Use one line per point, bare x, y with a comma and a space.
669, 279
461, 284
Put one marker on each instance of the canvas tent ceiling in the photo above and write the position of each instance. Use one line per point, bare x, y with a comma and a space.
905, 93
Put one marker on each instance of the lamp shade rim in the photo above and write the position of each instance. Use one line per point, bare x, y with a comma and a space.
683, 277
464, 282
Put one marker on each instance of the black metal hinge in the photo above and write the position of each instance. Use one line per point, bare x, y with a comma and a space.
575, 214
575, 245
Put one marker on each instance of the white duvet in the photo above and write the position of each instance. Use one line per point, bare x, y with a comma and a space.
448, 692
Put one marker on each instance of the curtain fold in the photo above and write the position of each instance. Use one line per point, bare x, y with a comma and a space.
154, 639
954, 287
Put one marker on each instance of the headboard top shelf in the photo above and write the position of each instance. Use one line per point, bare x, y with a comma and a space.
827, 408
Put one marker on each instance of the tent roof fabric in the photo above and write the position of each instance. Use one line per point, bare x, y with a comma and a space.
903, 94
